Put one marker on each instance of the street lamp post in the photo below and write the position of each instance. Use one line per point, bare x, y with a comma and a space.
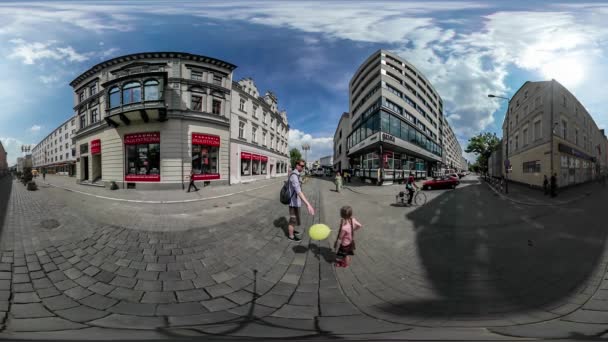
507, 162
306, 148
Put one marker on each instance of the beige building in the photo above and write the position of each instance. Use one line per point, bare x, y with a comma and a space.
547, 130
56, 153
259, 135
340, 150
146, 120
452, 151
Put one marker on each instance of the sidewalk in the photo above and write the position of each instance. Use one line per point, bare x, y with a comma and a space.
154, 196
522, 194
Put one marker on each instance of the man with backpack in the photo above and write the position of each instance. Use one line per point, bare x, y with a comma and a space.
292, 194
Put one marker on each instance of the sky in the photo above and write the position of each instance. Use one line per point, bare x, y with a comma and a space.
306, 52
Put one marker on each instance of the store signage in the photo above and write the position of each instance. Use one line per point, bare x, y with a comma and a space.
388, 137
256, 157
96, 146
567, 149
208, 176
245, 155
264, 159
142, 178
205, 139
142, 138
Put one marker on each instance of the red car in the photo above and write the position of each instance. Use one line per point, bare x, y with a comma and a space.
441, 183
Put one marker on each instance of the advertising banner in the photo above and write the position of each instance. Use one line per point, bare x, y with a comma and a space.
142, 138
205, 139
96, 147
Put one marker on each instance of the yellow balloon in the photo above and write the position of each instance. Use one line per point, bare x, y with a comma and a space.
319, 231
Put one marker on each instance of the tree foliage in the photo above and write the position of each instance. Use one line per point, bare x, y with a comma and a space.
294, 156
483, 145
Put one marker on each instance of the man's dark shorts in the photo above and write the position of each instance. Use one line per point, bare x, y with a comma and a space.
294, 216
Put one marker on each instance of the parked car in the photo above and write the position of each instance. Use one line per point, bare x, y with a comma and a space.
318, 172
461, 174
442, 182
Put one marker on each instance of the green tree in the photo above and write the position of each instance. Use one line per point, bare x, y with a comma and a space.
294, 156
483, 145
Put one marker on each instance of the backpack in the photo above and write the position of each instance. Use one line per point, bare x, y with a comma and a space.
284, 194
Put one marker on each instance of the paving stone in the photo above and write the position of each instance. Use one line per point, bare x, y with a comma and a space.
50, 267
138, 265
202, 319
171, 275
37, 275
42, 283
251, 309
31, 310
48, 292
240, 297
156, 267
33, 266
98, 302
21, 278
177, 285
5, 275
218, 304
338, 309
203, 281
130, 322
137, 309
109, 267
4, 305
65, 285
24, 287
124, 282
147, 275
126, 272
192, 295
43, 324
105, 276
122, 293
159, 297
149, 285
91, 271
5, 295
297, 312
81, 314
26, 297
5, 284
188, 275
56, 276
78, 292
85, 281
20, 270
219, 290
272, 300
181, 309
101, 288
5, 267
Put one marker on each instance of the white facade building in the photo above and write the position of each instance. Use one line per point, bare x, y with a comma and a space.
342, 131
56, 153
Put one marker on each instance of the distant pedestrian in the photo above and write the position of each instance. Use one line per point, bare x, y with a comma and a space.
192, 182
345, 241
546, 185
297, 197
44, 174
410, 185
338, 181
554, 185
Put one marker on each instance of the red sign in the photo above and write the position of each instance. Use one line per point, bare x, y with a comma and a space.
96, 146
208, 176
245, 155
142, 178
205, 139
256, 157
142, 138
264, 159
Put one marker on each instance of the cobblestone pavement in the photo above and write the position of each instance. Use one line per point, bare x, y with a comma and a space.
75, 266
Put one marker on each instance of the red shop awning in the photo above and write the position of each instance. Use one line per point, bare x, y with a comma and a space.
205, 139
245, 155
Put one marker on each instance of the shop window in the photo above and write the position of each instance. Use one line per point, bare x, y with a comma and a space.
395, 126
264, 162
205, 156
131, 93
245, 164
385, 122
151, 90
531, 167
114, 97
142, 156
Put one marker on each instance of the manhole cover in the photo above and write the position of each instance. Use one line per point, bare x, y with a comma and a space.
50, 224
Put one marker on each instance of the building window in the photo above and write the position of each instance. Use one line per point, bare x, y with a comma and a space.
94, 115
67, 156
197, 103
217, 80
517, 119
564, 129
537, 130
205, 156
564, 100
196, 75
73, 122
241, 130
516, 141
114, 97
245, 164
93, 89
255, 111
66, 135
81, 96
265, 115
131, 93
151, 90
83, 121
217, 107
254, 131
66, 146
242, 105
142, 157
264, 138
531, 166
576, 136
525, 137
272, 123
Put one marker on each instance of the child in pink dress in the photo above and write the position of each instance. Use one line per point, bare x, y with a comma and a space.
345, 242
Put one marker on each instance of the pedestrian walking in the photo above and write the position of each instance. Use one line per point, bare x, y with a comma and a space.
554, 185
338, 181
345, 241
192, 182
296, 198
44, 174
410, 185
546, 185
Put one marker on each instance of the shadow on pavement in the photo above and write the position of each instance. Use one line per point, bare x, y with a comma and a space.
328, 254
481, 257
282, 223
6, 185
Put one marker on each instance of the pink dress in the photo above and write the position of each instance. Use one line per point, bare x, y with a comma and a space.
346, 233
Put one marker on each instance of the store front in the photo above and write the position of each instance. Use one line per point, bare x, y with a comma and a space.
205, 156
575, 166
142, 157
254, 165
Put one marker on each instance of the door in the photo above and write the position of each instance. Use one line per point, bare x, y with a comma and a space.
85, 164
270, 171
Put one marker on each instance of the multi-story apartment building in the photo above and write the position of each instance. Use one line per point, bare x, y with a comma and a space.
23, 162
396, 120
547, 130
342, 131
3, 160
259, 134
452, 151
147, 120
56, 153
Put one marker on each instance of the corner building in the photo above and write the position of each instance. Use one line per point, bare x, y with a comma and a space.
146, 120
396, 121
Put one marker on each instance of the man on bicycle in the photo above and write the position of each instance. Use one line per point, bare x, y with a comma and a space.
410, 185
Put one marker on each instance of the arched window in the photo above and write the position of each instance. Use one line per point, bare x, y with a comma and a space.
151, 90
131, 92
114, 97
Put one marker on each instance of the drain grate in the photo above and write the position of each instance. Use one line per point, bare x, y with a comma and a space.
49, 224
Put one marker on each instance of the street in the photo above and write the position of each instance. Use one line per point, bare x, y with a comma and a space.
74, 264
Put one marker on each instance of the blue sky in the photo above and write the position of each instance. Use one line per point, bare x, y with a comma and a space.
306, 52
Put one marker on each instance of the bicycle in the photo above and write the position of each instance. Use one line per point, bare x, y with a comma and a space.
419, 197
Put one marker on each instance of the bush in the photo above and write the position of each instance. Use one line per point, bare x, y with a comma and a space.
31, 186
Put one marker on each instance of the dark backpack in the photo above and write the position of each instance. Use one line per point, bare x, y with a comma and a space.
284, 195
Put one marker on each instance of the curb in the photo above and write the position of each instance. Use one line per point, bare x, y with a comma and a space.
537, 204
159, 202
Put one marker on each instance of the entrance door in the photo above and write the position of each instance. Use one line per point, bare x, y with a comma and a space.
96, 160
85, 165
270, 171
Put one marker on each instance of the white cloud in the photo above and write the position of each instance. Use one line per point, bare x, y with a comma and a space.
319, 147
35, 128
30, 52
49, 79
13, 147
